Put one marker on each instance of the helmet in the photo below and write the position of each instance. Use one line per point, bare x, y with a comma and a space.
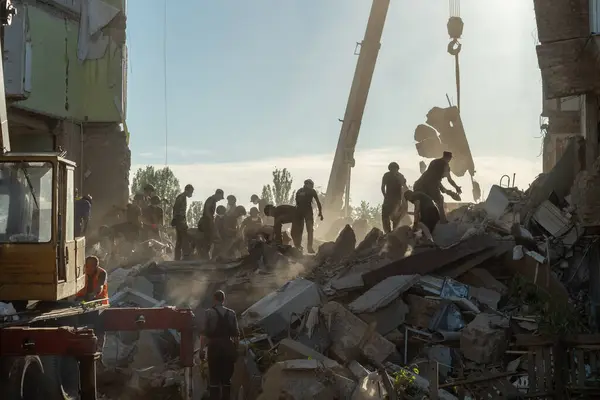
393, 166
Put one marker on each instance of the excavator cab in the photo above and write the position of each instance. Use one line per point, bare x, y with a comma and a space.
40, 258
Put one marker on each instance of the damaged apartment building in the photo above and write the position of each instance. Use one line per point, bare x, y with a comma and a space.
568, 56
65, 66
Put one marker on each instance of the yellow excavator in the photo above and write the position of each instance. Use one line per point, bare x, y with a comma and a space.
40, 257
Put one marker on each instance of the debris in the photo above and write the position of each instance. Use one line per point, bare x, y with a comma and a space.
484, 340
383, 293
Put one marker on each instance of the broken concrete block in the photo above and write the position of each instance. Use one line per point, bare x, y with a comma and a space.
295, 380
484, 340
481, 277
387, 318
358, 370
369, 388
369, 242
347, 331
344, 244
421, 311
383, 293
274, 311
289, 349
486, 296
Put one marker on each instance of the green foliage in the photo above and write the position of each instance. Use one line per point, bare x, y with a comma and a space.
164, 181
366, 211
404, 383
280, 191
194, 212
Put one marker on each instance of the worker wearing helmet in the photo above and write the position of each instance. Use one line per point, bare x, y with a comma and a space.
430, 182
96, 286
179, 222
304, 204
393, 184
206, 225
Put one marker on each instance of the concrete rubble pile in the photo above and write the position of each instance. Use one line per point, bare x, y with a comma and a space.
371, 318
368, 319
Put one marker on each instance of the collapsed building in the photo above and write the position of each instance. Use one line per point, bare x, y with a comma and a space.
65, 65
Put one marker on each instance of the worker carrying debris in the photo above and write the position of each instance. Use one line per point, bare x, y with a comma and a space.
96, 286
83, 213
430, 182
393, 184
206, 224
179, 222
285, 214
220, 335
304, 205
425, 212
260, 203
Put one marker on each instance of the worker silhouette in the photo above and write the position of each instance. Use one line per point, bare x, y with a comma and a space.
304, 205
179, 222
392, 185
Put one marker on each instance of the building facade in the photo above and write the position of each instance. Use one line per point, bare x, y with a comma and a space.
65, 65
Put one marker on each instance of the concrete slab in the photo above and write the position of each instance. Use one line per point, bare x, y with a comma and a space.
383, 293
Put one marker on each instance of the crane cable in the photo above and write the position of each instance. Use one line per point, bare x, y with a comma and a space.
166, 110
455, 30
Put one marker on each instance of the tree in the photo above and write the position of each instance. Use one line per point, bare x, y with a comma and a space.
164, 181
366, 211
194, 212
280, 192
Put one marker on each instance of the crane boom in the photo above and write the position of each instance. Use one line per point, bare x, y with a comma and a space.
338, 186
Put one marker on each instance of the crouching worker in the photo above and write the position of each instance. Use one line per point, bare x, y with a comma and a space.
96, 286
285, 214
426, 210
221, 337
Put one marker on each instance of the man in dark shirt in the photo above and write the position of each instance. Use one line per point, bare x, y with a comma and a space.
285, 214
392, 185
206, 225
220, 334
260, 203
430, 182
179, 222
426, 211
83, 213
304, 204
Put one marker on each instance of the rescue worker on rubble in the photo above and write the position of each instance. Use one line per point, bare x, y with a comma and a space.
392, 185
430, 182
231, 204
251, 226
220, 336
96, 286
206, 224
304, 204
156, 218
285, 214
260, 203
179, 222
83, 213
426, 211
149, 191
231, 239
132, 228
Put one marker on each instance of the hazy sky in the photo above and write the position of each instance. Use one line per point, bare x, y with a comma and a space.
254, 85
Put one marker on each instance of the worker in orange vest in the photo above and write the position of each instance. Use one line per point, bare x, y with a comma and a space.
96, 286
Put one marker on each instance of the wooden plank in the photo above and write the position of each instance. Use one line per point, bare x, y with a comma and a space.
579, 354
548, 376
434, 377
531, 371
539, 369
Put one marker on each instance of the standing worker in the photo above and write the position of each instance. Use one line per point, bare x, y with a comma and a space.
179, 222
96, 287
206, 225
83, 213
426, 211
231, 204
430, 182
304, 204
392, 185
285, 214
220, 335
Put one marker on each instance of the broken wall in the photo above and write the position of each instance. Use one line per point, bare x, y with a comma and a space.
103, 159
